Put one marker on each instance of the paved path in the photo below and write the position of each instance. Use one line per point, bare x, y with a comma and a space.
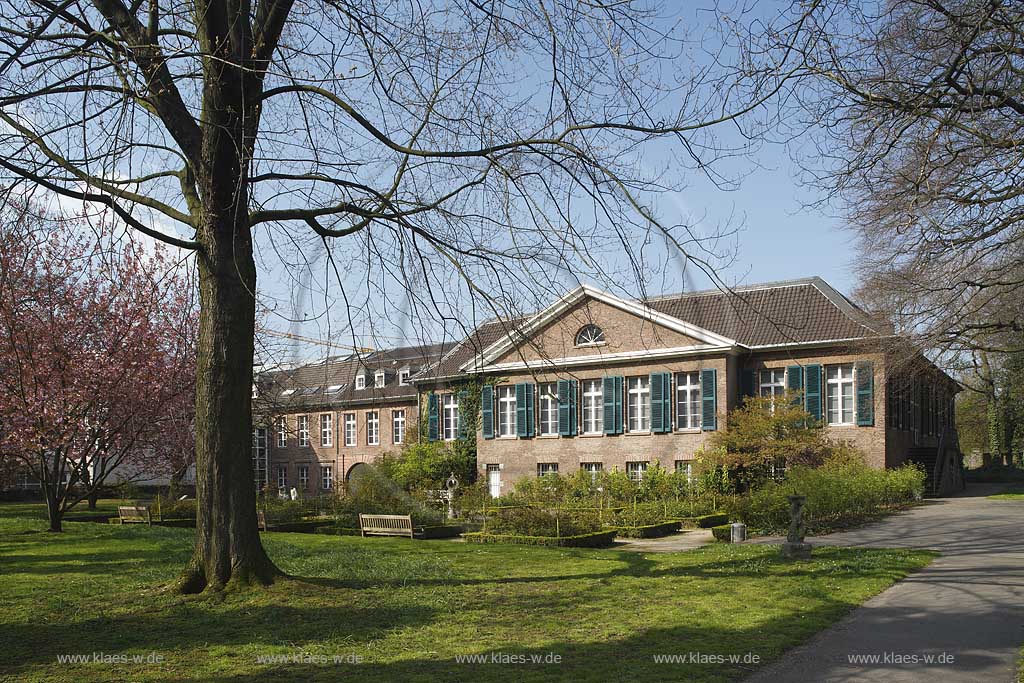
969, 603
688, 540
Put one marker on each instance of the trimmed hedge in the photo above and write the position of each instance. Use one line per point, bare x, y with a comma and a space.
599, 539
722, 532
705, 521
648, 530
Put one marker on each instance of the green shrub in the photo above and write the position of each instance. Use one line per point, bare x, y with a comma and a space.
842, 492
599, 539
713, 520
172, 508
722, 532
648, 531
527, 521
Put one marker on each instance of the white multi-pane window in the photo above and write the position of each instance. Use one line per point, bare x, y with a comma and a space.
688, 400
326, 477
773, 384
685, 467
259, 457
547, 468
635, 470
282, 432
494, 480
547, 395
327, 429
282, 476
360, 381
592, 468
379, 379
303, 430
507, 411
403, 378
777, 469
839, 394
372, 428
350, 429
593, 406
397, 426
639, 404
303, 476
450, 416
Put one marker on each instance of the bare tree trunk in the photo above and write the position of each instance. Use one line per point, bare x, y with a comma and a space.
53, 511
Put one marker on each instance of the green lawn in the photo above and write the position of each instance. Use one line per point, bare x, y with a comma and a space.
408, 609
1009, 494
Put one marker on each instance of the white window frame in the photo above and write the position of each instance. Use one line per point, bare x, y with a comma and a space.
450, 416
686, 467
398, 427
360, 381
403, 378
544, 468
593, 406
834, 388
592, 468
688, 387
506, 407
259, 457
303, 476
595, 336
282, 476
326, 477
635, 469
379, 379
771, 383
326, 430
373, 428
494, 482
638, 396
547, 413
350, 429
303, 430
282, 432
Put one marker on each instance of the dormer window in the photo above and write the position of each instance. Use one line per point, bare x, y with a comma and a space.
360, 381
378, 378
403, 377
590, 335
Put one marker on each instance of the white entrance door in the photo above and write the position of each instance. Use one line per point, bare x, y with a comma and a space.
494, 480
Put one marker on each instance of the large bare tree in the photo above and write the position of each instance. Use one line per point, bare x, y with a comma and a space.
481, 138
916, 115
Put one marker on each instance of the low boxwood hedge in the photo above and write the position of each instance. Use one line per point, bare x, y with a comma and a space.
722, 532
705, 521
648, 530
598, 539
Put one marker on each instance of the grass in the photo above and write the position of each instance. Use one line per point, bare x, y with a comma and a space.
1016, 493
408, 609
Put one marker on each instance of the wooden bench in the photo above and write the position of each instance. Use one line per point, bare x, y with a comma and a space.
385, 525
134, 514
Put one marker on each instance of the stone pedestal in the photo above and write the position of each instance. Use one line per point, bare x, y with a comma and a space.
796, 551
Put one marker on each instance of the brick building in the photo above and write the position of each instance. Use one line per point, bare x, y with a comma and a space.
598, 382
318, 422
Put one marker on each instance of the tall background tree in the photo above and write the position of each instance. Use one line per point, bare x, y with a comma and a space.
479, 148
97, 358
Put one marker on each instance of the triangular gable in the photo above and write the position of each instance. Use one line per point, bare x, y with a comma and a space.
702, 337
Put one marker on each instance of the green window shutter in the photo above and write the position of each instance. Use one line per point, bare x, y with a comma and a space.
661, 404
487, 411
433, 408
573, 412
460, 422
531, 395
709, 399
865, 372
619, 382
521, 410
795, 382
748, 383
564, 428
812, 391
608, 397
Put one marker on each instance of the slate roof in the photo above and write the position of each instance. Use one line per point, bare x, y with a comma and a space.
775, 313
331, 381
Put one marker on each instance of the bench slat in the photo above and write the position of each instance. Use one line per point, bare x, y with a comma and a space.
386, 525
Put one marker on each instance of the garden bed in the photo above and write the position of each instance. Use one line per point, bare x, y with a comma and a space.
648, 530
599, 539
